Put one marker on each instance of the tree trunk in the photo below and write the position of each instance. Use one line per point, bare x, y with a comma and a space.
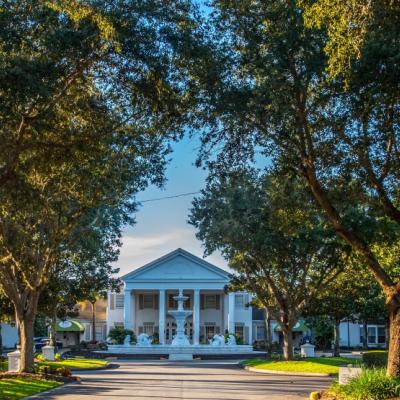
267, 325
93, 322
336, 338
287, 343
365, 338
53, 333
26, 337
393, 367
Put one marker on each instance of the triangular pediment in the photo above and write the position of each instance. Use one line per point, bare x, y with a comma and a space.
177, 265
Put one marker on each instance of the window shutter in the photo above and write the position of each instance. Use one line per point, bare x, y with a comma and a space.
156, 301
140, 302
246, 301
202, 301
246, 335
156, 329
112, 301
217, 302
202, 334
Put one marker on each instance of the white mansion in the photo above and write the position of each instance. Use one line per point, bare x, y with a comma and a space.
148, 295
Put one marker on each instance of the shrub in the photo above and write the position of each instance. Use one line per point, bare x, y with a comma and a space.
156, 338
372, 384
83, 344
239, 340
118, 334
53, 370
57, 357
63, 371
376, 358
40, 357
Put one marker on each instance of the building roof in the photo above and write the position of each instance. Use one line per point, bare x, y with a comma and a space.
178, 253
69, 326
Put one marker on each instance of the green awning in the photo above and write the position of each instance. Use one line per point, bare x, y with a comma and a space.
300, 326
69, 326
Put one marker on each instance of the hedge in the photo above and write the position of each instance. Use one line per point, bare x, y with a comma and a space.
375, 358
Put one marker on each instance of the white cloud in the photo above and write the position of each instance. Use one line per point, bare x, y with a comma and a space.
139, 249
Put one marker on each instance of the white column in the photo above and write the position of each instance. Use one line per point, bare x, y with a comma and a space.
231, 312
161, 316
133, 312
127, 310
196, 316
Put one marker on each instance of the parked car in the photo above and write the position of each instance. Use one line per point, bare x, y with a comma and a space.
38, 342
43, 341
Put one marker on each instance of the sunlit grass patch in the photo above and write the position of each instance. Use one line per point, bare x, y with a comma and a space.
322, 365
76, 363
17, 388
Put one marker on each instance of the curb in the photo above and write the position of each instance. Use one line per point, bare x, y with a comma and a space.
273, 372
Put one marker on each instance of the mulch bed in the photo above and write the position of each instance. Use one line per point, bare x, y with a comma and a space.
50, 377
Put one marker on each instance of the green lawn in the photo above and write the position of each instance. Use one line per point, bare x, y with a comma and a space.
325, 365
17, 388
76, 363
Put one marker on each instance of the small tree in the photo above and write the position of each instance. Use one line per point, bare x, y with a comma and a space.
272, 237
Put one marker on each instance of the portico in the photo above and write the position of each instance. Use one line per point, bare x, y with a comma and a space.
148, 297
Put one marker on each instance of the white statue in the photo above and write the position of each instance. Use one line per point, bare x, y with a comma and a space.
127, 340
231, 341
143, 340
218, 340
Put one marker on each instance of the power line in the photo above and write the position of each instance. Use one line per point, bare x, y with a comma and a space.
169, 197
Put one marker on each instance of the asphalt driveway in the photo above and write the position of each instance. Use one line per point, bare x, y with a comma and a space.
197, 380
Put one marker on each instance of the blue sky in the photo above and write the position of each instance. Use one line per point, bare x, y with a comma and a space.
162, 225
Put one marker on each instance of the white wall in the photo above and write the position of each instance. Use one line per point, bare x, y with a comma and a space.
9, 335
114, 315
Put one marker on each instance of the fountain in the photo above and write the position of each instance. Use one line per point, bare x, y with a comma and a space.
180, 349
180, 316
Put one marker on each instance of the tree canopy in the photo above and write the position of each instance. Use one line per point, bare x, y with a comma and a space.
272, 236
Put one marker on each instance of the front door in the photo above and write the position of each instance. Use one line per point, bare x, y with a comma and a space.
170, 330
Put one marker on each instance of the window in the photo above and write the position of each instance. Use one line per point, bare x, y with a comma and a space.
381, 335
239, 301
372, 334
148, 301
119, 301
361, 334
239, 330
88, 335
99, 332
210, 302
260, 332
172, 304
148, 328
210, 330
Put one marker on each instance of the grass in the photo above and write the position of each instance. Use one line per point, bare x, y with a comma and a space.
17, 388
324, 365
76, 363
372, 384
